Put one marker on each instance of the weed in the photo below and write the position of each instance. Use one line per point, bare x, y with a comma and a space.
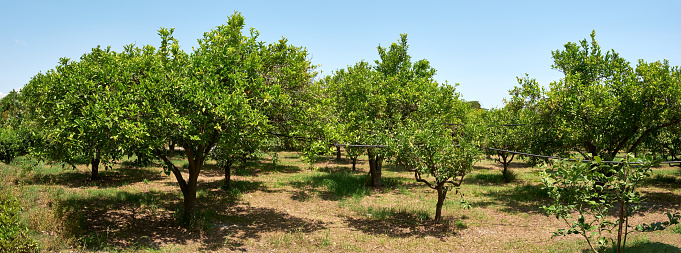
677, 229
460, 224
326, 241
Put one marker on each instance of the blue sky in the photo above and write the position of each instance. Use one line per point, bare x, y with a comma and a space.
481, 45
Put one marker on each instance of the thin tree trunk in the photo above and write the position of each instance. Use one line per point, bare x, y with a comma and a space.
228, 171
620, 230
95, 169
354, 162
244, 159
338, 153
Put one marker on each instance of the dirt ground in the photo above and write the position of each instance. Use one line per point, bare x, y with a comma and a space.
294, 207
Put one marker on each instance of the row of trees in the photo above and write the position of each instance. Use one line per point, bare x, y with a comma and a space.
602, 107
233, 96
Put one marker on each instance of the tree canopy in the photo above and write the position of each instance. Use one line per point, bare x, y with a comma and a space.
603, 105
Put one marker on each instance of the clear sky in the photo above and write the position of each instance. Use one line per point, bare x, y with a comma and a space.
481, 45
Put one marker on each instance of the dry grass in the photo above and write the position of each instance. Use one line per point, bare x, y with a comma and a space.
293, 207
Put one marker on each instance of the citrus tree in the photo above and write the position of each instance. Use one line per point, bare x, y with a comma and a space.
75, 107
371, 101
603, 105
508, 131
214, 95
439, 155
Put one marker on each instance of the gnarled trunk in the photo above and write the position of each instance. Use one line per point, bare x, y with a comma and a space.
375, 164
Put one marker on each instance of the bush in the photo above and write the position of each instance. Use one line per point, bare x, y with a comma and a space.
13, 236
10, 144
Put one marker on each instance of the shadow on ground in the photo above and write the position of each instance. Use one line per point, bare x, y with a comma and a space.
339, 185
521, 198
148, 220
401, 225
660, 201
111, 178
645, 246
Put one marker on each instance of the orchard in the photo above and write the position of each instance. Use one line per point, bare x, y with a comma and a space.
237, 145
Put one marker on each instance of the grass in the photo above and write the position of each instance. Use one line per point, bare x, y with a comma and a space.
284, 204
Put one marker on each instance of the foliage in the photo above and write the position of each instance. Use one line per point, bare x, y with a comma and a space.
603, 105
10, 144
219, 92
434, 149
76, 108
371, 101
584, 193
508, 131
666, 143
16, 134
13, 235
237, 144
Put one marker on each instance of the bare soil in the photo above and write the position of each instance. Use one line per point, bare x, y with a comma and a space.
279, 208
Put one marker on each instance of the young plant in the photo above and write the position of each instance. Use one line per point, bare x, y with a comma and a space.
584, 193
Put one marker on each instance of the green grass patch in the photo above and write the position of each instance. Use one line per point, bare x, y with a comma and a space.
677, 229
338, 185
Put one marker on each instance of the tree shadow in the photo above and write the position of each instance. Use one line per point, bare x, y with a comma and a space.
491, 178
252, 168
123, 220
522, 198
660, 201
236, 188
643, 246
111, 178
119, 219
246, 222
401, 225
393, 168
340, 185
664, 181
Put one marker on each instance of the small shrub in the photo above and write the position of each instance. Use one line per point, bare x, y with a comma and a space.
13, 234
11, 144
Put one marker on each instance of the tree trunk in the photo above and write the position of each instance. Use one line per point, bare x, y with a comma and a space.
189, 187
338, 153
189, 201
228, 171
504, 156
375, 163
620, 230
354, 162
171, 149
95, 169
244, 159
441, 195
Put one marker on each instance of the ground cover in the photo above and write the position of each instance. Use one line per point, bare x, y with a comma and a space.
294, 207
